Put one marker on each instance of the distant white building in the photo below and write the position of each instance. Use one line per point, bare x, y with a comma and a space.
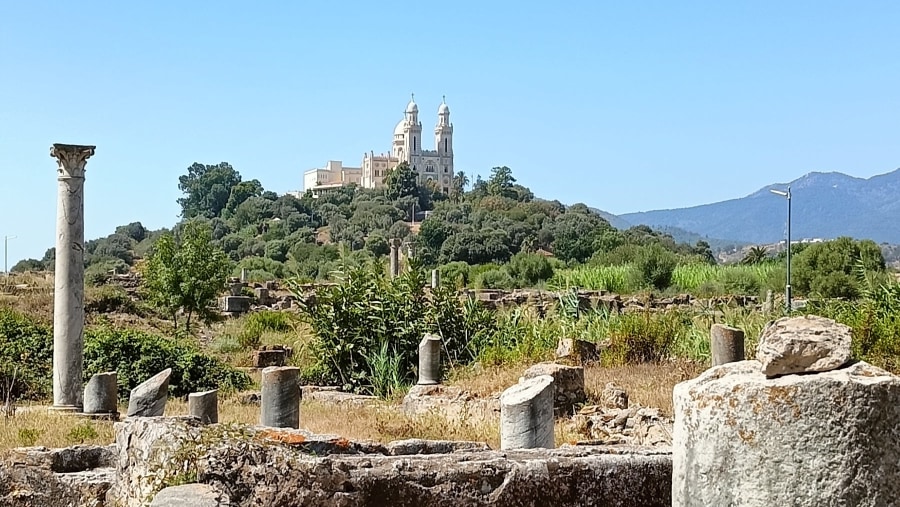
333, 175
406, 146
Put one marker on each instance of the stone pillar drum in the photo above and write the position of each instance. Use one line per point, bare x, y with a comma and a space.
204, 406
726, 344
430, 360
101, 394
526, 414
741, 439
68, 298
395, 258
435, 279
280, 404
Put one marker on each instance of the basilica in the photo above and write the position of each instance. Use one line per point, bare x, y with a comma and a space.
406, 146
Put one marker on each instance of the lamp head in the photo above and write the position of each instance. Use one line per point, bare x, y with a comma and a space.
778, 192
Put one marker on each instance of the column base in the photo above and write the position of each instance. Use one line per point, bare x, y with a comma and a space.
103, 416
66, 409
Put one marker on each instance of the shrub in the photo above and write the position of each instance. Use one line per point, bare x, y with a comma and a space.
656, 265
110, 298
494, 279
527, 269
26, 353
643, 337
455, 274
368, 326
136, 356
258, 323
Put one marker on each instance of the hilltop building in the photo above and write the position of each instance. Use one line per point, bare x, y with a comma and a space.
406, 146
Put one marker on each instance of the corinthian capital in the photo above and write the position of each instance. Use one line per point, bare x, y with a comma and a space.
71, 158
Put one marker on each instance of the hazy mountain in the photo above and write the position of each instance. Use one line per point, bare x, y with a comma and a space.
824, 205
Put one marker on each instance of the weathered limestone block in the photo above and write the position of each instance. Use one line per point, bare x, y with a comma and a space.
235, 304
450, 402
101, 394
193, 495
76, 476
419, 446
803, 344
578, 351
742, 439
613, 396
204, 406
253, 471
726, 344
149, 398
526, 414
266, 358
568, 383
65, 460
26, 486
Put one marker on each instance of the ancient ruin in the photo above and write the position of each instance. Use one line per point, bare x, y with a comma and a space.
68, 312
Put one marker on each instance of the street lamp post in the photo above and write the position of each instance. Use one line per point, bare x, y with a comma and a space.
6, 254
787, 286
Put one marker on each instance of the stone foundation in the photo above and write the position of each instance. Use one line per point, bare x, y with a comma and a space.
281, 468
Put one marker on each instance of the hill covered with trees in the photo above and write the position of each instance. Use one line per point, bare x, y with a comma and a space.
486, 233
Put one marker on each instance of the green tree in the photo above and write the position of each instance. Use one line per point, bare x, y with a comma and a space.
755, 255
186, 273
401, 181
207, 189
501, 182
458, 186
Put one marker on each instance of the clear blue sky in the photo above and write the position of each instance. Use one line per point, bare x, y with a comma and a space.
626, 106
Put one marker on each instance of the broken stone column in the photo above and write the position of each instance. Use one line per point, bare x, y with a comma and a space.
395, 258
435, 279
769, 303
205, 406
726, 344
101, 394
430, 360
801, 426
149, 399
280, 393
526, 414
68, 296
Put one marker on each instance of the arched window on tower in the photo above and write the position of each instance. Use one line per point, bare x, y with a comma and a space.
446, 143
414, 143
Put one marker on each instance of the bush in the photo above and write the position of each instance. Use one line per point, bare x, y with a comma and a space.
527, 269
455, 274
494, 279
110, 298
368, 327
656, 265
136, 356
26, 352
258, 323
99, 272
643, 337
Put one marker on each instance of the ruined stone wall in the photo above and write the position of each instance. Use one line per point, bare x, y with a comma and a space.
279, 468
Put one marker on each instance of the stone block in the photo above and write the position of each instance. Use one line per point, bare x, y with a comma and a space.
802, 345
235, 304
568, 382
266, 358
193, 495
577, 351
149, 398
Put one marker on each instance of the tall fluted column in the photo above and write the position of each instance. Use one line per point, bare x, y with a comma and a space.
68, 299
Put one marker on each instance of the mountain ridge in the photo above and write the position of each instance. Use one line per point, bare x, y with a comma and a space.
824, 205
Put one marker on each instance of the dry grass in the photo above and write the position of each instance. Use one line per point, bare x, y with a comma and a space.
35, 425
648, 385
